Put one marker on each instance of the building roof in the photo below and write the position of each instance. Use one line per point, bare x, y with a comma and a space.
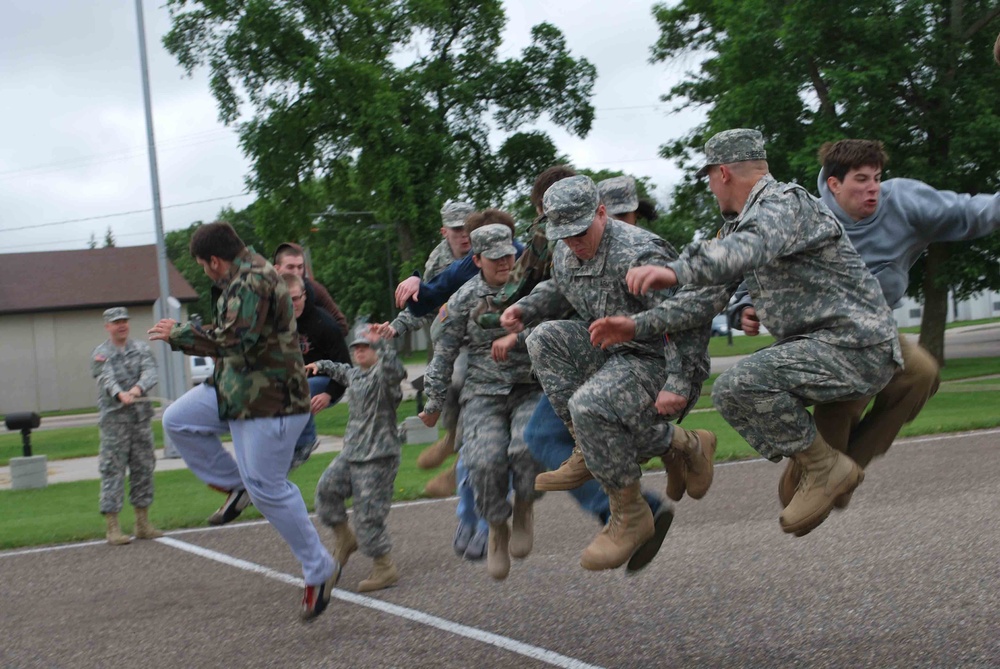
86, 279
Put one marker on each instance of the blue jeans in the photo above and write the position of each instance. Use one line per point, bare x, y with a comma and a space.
466, 509
303, 446
550, 442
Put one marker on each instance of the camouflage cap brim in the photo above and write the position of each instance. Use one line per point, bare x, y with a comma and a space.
500, 252
568, 229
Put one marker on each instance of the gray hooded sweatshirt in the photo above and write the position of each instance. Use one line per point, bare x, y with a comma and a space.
910, 216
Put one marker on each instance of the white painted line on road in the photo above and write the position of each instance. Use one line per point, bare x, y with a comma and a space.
506, 643
952, 435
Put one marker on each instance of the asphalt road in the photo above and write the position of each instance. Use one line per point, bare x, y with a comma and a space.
908, 576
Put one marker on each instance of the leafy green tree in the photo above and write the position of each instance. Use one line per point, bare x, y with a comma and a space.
92, 242
109, 238
383, 106
915, 74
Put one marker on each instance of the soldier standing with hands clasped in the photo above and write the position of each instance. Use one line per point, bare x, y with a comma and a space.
125, 372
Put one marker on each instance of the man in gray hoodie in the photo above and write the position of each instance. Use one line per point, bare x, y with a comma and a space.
890, 224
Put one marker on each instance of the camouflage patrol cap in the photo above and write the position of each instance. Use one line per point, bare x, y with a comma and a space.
453, 214
492, 241
115, 314
570, 205
733, 146
619, 195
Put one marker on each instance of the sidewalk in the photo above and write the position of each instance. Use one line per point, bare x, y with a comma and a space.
84, 469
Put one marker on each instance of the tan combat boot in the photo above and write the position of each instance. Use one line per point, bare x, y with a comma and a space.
572, 474
143, 528
347, 543
522, 528
630, 526
383, 575
498, 553
827, 474
676, 470
434, 455
114, 533
697, 448
444, 484
790, 481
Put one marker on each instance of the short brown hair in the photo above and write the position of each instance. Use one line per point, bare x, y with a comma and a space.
292, 280
478, 219
839, 158
217, 239
546, 179
286, 249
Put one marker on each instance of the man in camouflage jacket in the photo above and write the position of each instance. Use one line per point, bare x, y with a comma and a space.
260, 396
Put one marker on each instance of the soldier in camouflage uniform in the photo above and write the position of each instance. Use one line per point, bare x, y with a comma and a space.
498, 398
607, 396
261, 397
125, 373
454, 246
836, 338
366, 467
471, 534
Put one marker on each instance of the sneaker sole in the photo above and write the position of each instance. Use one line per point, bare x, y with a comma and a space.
646, 552
329, 584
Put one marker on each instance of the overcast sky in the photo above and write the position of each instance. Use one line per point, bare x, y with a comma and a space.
74, 137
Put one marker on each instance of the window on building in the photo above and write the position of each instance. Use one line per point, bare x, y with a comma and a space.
914, 313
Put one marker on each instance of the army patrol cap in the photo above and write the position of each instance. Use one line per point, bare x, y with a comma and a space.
492, 241
453, 214
619, 195
570, 205
733, 146
115, 314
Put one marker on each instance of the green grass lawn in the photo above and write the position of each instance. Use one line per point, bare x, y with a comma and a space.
68, 511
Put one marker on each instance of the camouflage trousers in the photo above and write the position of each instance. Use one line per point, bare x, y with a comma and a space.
765, 395
607, 396
452, 407
495, 452
370, 483
126, 445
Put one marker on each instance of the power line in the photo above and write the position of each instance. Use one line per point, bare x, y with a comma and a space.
73, 241
123, 213
179, 141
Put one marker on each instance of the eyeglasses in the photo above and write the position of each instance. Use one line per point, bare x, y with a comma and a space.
579, 234
299, 297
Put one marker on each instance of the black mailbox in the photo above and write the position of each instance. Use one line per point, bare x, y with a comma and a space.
25, 421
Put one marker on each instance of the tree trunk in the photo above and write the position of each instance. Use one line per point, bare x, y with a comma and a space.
935, 313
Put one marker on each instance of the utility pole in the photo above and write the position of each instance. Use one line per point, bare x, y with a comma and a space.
169, 387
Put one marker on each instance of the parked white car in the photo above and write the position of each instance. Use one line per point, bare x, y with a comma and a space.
201, 368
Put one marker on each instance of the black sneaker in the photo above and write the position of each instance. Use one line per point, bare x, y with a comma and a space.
478, 546
647, 551
463, 535
236, 501
316, 598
